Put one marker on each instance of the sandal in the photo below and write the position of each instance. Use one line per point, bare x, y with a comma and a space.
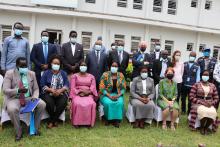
164, 126
173, 128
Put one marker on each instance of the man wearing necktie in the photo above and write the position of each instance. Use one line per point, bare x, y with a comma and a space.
41, 53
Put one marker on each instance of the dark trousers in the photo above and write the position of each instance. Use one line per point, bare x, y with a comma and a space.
179, 90
55, 106
185, 94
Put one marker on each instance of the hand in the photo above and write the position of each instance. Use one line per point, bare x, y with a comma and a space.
170, 103
81, 94
86, 92
59, 92
115, 97
44, 66
208, 104
22, 90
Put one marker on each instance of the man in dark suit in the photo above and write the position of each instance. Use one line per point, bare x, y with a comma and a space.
41, 53
160, 66
156, 54
96, 61
72, 54
141, 58
120, 56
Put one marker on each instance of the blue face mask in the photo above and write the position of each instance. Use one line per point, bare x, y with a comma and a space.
206, 54
83, 68
18, 32
192, 59
98, 47
23, 70
205, 78
55, 67
44, 39
120, 48
144, 75
114, 69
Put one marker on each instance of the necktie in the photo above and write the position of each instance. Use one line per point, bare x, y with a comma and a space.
97, 56
120, 58
45, 52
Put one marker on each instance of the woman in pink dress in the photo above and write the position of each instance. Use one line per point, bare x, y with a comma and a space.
83, 94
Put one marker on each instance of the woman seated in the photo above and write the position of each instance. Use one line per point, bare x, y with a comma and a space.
204, 97
142, 95
167, 98
54, 84
83, 94
112, 89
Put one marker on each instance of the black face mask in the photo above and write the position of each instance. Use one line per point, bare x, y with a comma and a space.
143, 49
164, 56
170, 76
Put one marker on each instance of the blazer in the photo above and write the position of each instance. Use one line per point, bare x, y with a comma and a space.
137, 64
96, 69
113, 57
10, 84
37, 55
157, 67
137, 88
69, 59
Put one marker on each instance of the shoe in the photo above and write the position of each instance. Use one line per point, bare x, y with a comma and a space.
116, 124
136, 124
19, 135
106, 123
50, 126
141, 125
202, 131
55, 124
164, 126
37, 133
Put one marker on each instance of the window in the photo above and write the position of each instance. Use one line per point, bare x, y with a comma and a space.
153, 43
194, 3
122, 3
208, 4
138, 4
90, 1
157, 7
26, 32
169, 46
86, 41
216, 52
119, 37
171, 7
6, 31
134, 43
189, 46
201, 47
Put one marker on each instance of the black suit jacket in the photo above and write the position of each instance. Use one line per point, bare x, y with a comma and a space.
157, 67
69, 59
114, 57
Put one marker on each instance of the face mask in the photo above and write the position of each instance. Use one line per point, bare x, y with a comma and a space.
205, 78
98, 47
113, 47
73, 40
206, 54
120, 48
18, 32
55, 67
192, 59
177, 58
164, 56
144, 75
44, 39
114, 69
170, 76
157, 48
83, 68
23, 70
143, 49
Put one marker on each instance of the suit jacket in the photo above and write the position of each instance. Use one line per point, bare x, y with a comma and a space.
153, 56
37, 55
157, 67
10, 85
96, 69
69, 59
113, 57
137, 64
137, 88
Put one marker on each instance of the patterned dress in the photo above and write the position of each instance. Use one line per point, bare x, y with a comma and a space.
112, 109
169, 91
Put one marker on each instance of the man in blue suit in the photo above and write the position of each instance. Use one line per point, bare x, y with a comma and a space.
96, 61
41, 53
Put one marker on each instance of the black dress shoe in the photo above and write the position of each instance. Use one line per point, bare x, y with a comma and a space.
19, 135
37, 133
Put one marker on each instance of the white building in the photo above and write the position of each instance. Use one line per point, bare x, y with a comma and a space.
176, 24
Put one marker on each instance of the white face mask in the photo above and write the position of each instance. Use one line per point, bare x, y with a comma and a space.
73, 40
113, 47
177, 58
98, 47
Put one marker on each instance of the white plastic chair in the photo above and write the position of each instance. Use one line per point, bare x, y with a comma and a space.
158, 112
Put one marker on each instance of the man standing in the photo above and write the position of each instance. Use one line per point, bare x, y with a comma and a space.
58, 46
207, 63
160, 66
41, 53
14, 47
156, 54
120, 56
96, 61
19, 87
72, 54
191, 75
141, 58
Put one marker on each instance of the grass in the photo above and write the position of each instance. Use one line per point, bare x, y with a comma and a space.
67, 136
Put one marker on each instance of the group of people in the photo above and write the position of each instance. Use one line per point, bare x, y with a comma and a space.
58, 74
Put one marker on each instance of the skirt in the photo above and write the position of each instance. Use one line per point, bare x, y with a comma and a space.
142, 110
163, 105
206, 112
113, 109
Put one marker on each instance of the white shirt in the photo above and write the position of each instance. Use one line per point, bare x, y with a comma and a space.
73, 46
164, 68
98, 55
144, 83
157, 55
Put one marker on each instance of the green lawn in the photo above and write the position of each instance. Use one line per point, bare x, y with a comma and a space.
100, 135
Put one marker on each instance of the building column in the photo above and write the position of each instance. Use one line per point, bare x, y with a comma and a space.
32, 29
